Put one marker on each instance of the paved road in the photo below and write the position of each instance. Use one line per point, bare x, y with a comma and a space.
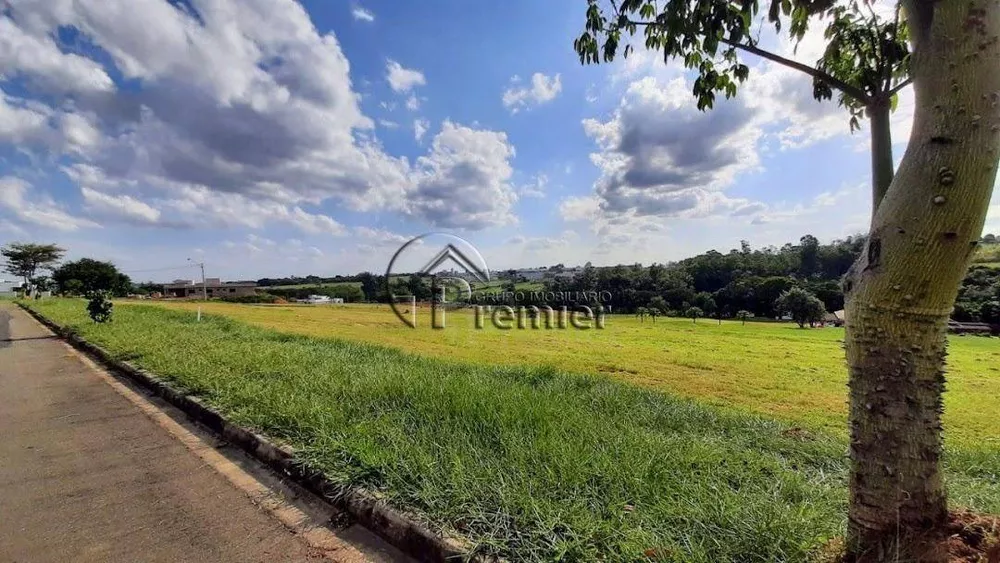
85, 475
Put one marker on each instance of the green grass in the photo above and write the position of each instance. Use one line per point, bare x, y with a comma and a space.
526, 462
773, 369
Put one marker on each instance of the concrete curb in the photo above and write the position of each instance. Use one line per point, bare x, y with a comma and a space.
395, 527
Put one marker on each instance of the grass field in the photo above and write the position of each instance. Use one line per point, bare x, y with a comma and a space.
535, 463
775, 369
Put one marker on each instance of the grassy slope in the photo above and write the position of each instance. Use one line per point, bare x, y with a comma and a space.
527, 462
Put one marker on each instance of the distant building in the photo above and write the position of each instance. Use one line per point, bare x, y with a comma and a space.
322, 300
214, 287
7, 287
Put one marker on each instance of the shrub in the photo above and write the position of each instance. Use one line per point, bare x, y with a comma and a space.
99, 307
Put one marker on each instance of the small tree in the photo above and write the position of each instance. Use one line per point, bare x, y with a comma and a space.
99, 307
641, 312
659, 303
24, 259
653, 313
693, 313
743, 315
804, 307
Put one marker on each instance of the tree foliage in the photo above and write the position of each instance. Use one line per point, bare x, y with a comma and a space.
803, 306
25, 259
87, 275
721, 284
867, 55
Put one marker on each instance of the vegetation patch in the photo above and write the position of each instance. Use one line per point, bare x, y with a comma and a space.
529, 463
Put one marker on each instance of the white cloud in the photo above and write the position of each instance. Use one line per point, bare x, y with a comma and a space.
38, 59
242, 114
580, 208
362, 14
388, 124
403, 79
412, 103
119, 206
464, 181
420, 127
660, 156
542, 89
39, 210
381, 236
534, 188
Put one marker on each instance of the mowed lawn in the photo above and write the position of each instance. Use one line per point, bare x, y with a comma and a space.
775, 369
526, 461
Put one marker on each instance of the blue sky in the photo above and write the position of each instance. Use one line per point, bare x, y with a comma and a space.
269, 137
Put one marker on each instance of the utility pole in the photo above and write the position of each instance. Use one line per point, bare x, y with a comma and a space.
204, 285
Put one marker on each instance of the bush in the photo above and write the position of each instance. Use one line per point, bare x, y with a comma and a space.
99, 307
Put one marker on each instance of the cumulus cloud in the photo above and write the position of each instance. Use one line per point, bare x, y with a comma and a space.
402, 79
237, 114
463, 181
542, 89
120, 206
362, 14
381, 236
37, 209
660, 156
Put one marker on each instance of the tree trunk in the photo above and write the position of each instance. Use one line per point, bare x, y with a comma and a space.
901, 291
881, 137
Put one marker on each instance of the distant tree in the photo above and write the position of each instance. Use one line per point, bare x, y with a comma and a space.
693, 313
808, 256
743, 315
659, 303
653, 313
369, 285
417, 288
804, 307
41, 283
989, 312
641, 312
25, 259
93, 276
989, 238
705, 302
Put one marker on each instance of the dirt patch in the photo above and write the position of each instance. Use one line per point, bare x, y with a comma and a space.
965, 538
972, 538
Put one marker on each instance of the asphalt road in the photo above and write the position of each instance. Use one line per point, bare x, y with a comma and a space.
85, 475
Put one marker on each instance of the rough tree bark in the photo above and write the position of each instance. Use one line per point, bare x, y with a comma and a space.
902, 289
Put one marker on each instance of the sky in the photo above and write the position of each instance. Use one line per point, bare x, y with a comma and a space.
273, 138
